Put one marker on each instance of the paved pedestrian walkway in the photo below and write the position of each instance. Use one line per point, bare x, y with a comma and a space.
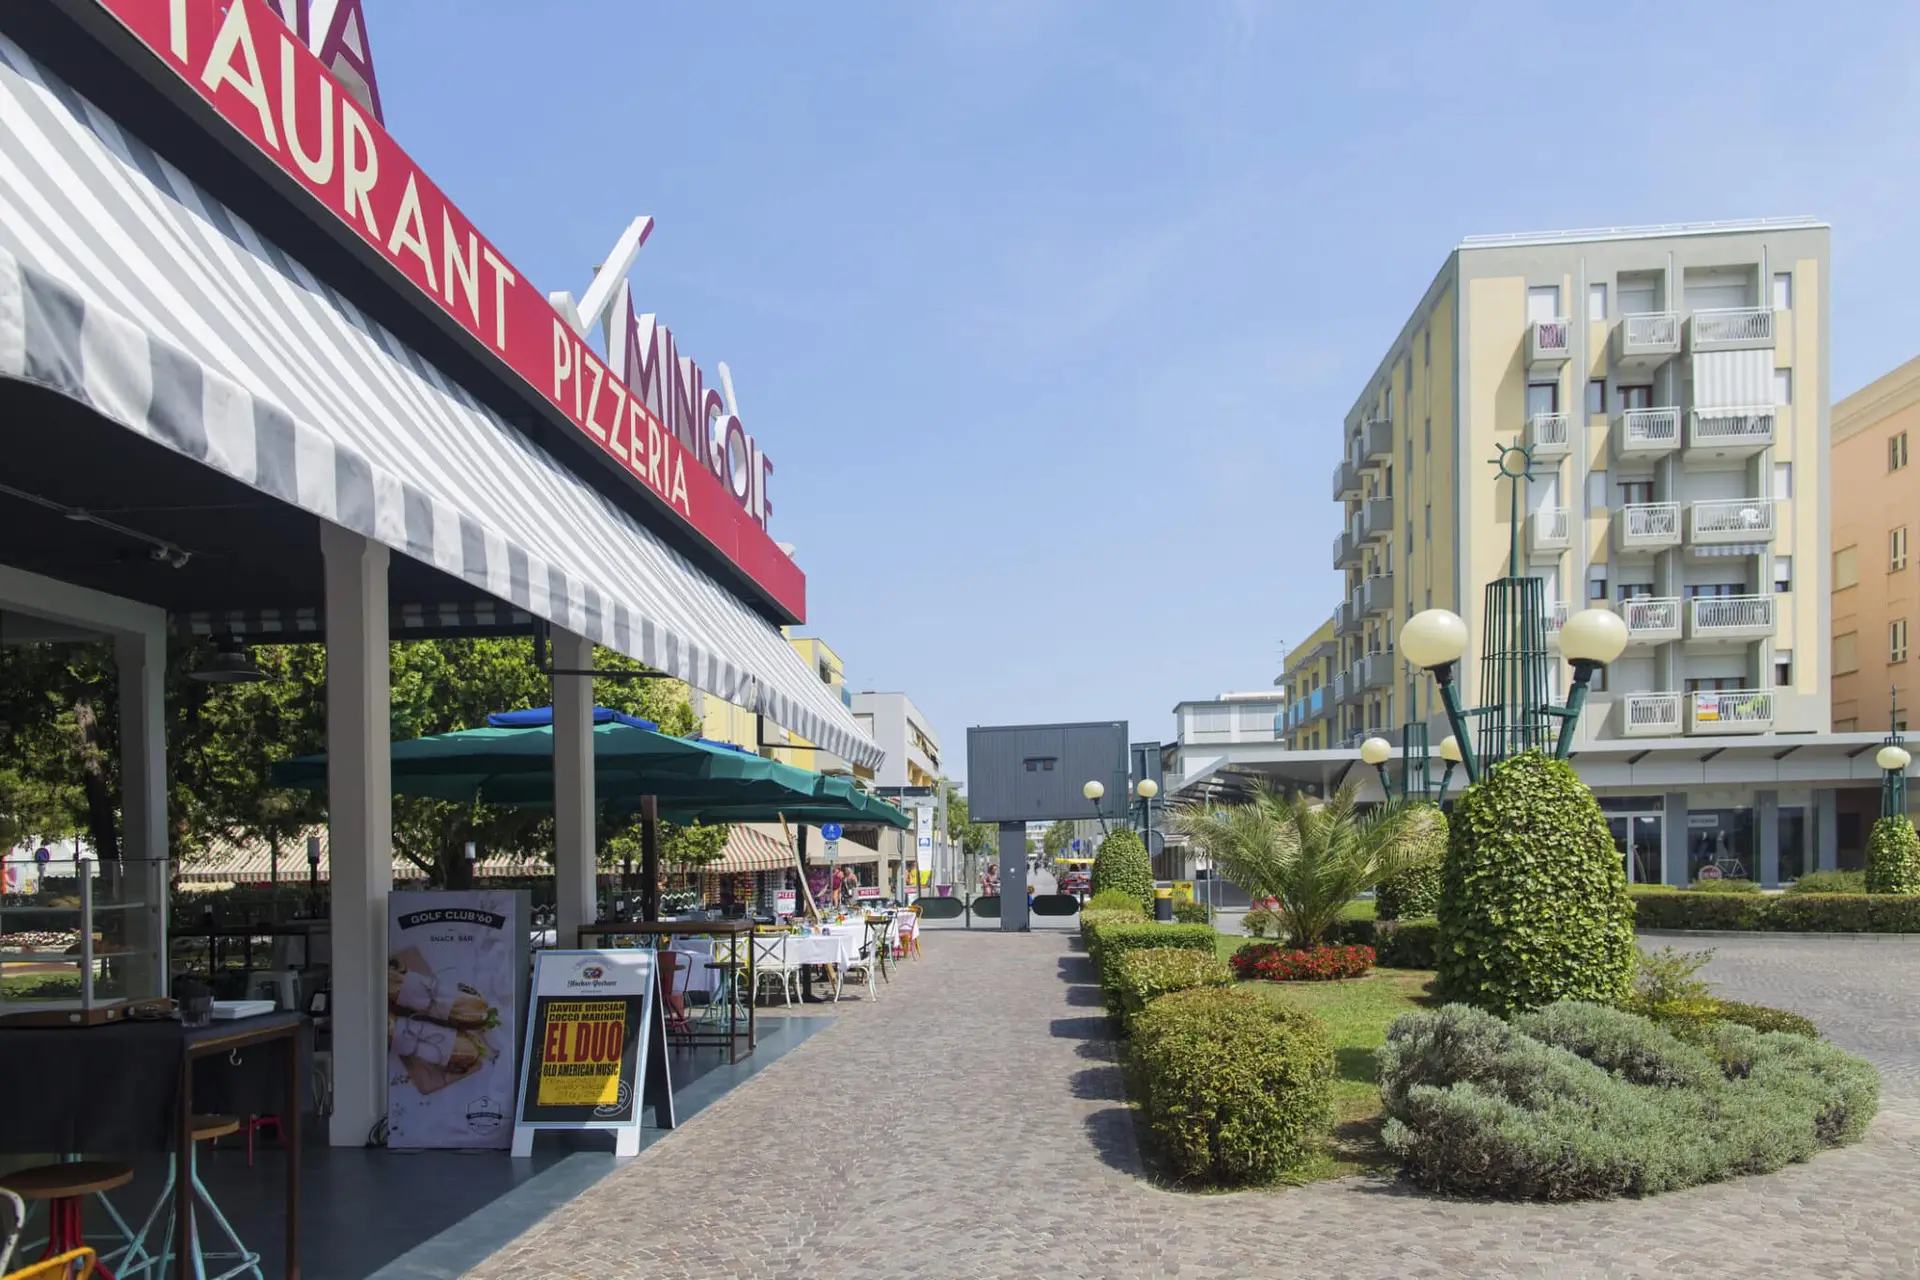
970, 1124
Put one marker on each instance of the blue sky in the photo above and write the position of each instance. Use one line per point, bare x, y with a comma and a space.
1048, 312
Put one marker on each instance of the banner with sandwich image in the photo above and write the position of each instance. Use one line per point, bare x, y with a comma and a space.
455, 966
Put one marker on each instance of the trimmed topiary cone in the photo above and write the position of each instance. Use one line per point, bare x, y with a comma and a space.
1122, 864
1533, 894
1893, 857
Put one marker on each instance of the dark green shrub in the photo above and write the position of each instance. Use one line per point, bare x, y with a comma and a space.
1830, 882
1844, 913
1762, 1018
1699, 910
1414, 892
1233, 1088
1190, 913
1724, 886
1092, 922
1533, 898
1115, 900
1142, 977
1357, 933
1580, 1101
1260, 921
1122, 865
1406, 944
1893, 857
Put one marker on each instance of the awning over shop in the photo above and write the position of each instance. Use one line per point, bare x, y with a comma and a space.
128, 288
753, 848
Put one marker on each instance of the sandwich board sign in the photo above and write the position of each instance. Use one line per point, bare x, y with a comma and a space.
596, 1048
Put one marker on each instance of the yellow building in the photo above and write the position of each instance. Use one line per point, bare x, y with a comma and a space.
1876, 508
1672, 382
725, 722
1308, 676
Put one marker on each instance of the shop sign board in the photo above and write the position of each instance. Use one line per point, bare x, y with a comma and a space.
786, 901
456, 988
596, 1048
674, 437
869, 893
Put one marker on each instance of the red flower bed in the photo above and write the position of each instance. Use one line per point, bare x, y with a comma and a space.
1275, 963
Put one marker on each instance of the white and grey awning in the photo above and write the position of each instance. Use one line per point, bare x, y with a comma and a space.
127, 287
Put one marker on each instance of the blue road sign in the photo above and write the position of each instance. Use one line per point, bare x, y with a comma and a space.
830, 831
1076, 846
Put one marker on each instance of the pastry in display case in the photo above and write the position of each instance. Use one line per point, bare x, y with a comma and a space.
83, 941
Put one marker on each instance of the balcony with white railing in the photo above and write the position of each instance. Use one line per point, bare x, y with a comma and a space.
1549, 529
1556, 619
1345, 618
1646, 431
1730, 329
1652, 619
1346, 480
1346, 550
1376, 440
1650, 715
1646, 341
1642, 528
1730, 618
1725, 521
1550, 434
1376, 595
1730, 711
1376, 519
1730, 432
1549, 343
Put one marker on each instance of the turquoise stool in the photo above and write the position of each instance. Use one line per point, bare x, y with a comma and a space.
244, 1260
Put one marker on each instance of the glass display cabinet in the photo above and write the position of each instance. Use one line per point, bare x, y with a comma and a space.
81, 939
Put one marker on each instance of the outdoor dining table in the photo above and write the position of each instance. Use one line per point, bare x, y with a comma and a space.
732, 944
134, 1086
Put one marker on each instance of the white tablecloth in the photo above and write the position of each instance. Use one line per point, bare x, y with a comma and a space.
834, 948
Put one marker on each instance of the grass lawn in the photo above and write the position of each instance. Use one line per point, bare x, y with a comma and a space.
1357, 1013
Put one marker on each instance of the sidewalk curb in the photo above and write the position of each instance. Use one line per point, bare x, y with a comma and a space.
1773, 933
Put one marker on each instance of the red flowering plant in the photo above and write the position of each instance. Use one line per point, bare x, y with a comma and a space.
1275, 963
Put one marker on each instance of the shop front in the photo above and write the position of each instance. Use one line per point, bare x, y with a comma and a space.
261, 380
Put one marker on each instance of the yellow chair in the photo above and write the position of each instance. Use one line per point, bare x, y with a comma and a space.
75, 1264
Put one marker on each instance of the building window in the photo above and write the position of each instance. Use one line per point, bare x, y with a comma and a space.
1897, 640
1783, 291
1596, 396
1429, 436
1596, 302
1426, 343
1782, 574
1542, 397
1783, 668
1429, 523
1406, 379
1387, 401
1783, 480
1597, 582
1897, 550
1897, 451
1845, 654
1783, 386
1636, 492
1635, 397
1846, 568
1597, 489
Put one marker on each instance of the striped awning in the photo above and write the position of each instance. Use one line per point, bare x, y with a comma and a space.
1716, 549
753, 848
125, 286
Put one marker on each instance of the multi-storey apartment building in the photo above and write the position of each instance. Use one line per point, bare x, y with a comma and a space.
1308, 679
1876, 510
1672, 384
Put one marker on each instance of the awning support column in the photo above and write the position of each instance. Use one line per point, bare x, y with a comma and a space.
649, 857
141, 661
574, 856
359, 826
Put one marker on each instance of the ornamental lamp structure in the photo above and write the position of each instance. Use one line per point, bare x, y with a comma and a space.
1376, 751
1516, 715
1893, 759
1093, 789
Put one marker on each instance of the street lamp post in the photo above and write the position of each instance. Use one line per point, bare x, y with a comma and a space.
1893, 760
1376, 751
1450, 752
1093, 790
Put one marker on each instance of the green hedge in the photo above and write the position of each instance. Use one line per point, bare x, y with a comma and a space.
1533, 894
1786, 913
1141, 977
1092, 922
1234, 1088
1122, 865
1724, 886
1406, 944
1112, 941
1412, 894
1893, 857
1190, 912
1830, 882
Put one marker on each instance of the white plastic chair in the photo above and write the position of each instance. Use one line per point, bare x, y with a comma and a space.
864, 968
770, 961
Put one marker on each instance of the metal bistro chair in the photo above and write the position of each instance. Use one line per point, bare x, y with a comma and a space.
240, 1259
865, 968
65, 1187
77, 1264
770, 961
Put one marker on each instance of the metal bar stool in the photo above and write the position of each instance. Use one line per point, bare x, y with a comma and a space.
64, 1188
245, 1261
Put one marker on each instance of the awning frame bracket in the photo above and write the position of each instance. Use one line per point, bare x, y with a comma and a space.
543, 660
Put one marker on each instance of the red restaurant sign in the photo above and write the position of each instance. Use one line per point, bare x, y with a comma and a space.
263, 80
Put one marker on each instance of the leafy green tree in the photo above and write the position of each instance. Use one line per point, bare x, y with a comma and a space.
1057, 840
1533, 893
1313, 857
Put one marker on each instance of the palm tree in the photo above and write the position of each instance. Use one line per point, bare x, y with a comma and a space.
1313, 857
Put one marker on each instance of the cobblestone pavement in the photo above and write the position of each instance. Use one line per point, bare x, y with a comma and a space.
969, 1124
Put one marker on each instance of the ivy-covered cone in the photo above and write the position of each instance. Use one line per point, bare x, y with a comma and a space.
1122, 864
1533, 895
1893, 857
